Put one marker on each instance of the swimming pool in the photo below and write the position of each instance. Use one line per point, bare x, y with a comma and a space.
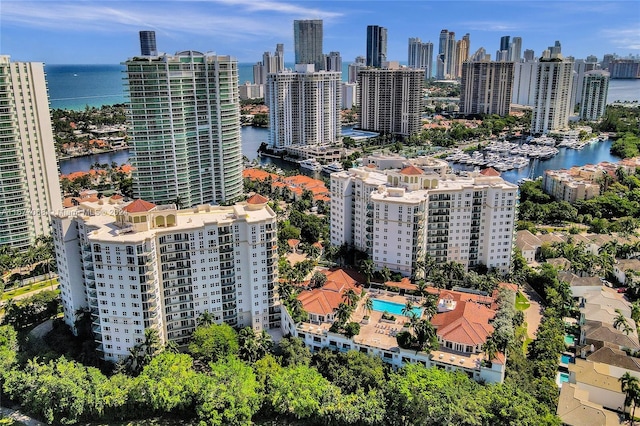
391, 307
566, 359
569, 339
563, 378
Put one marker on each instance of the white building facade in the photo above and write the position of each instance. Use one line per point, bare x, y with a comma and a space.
418, 211
184, 112
145, 266
304, 107
595, 87
552, 105
29, 183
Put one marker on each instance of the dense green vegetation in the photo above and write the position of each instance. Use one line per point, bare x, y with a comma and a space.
285, 385
63, 130
617, 209
620, 119
16, 265
627, 146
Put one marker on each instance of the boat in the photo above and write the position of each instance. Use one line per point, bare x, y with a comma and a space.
310, 164
333, 168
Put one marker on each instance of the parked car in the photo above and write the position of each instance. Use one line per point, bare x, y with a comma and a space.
622, 290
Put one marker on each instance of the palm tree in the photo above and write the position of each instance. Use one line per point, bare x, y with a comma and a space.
350, 297
205, 318
408, 308
490, 349
366, 268
430, 305
422, 287
368, 305
631, 387
343, 313
620, 322
426, 336
386, 274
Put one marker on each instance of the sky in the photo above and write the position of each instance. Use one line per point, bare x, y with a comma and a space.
106, 32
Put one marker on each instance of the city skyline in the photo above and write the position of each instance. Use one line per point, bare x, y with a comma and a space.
106, 32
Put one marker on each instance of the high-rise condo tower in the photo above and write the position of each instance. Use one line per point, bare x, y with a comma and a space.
307, 37
184, 111
29, 184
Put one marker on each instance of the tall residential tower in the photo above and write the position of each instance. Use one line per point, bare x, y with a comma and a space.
421, 56
552, 105
390, 100
307, 37
184, 111
304, 107
594, 95
486, 87
29, 184
376, 46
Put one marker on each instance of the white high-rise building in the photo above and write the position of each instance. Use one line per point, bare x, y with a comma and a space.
552, 105
421, 56
29, 183
580, 68
137, 265
398, 216
524, 83
349, 95
594, 95
390, 100
304, 107
270, 63
515, 49
184, 111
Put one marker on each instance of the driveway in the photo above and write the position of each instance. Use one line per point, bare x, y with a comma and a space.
533, 314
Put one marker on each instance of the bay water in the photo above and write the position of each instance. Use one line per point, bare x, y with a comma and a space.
78, 86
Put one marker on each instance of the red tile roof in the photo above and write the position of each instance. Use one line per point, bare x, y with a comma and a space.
257, 199
404, 284
411, 170
139, 206
325, 300
467, 323
490, 171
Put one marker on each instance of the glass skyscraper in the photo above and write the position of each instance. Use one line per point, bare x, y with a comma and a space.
376, 45
307, 36
184, 112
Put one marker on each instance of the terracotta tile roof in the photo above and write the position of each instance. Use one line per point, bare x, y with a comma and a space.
467, 324
320, 302
117, 197
490, 171
411, 170
293, 242
325, 300
257, 199
257, 174
139, 206
404, 284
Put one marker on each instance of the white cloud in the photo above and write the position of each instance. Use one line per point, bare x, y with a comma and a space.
623, 38
490, 26
233, 19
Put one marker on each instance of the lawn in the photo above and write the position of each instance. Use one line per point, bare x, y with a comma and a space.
28, 288
521, 302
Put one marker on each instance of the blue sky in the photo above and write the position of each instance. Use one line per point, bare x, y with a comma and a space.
106, 32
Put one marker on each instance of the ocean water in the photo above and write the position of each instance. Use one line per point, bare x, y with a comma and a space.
77, 86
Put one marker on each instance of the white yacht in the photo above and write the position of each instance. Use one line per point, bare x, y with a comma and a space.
310, 164
333, 167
